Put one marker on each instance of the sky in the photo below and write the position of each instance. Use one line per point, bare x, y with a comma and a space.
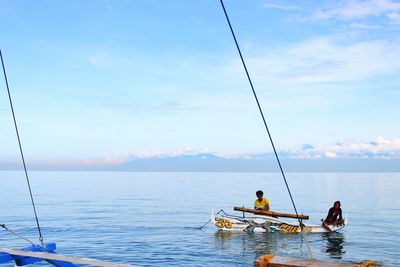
103, 82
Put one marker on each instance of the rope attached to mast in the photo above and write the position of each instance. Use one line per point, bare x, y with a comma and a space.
264, 121
20, 149
15, 233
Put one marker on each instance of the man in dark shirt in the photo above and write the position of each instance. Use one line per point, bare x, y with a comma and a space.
334, 217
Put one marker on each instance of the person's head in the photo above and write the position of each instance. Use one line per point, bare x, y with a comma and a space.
336, 205
259, 194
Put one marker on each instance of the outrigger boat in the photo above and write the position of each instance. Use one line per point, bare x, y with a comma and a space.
266, 221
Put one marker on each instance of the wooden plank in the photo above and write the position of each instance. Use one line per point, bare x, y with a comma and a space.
61, 263
272, 213
59, 257
22, 261
278, 261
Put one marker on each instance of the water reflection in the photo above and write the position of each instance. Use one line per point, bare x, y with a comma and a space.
251, 245
255, 244
334, 244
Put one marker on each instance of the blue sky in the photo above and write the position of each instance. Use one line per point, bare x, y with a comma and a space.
105, 81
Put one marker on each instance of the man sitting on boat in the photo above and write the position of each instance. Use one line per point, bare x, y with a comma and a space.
261, 203
334, 217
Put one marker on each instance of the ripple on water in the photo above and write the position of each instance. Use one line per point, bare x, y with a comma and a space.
151, 218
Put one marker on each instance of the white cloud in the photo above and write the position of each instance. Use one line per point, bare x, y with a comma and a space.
188, 150
381, 148
107, 161
381, 140
235, 155
103, 59
356, 9
363, 26
324, 59
104, 161
149, 154
160, 154
394, 17
206, 150
279, 5
330, 155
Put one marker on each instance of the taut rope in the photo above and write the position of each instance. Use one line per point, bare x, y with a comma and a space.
265, 123
20, 149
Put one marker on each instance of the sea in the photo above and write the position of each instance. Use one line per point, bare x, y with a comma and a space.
153, 219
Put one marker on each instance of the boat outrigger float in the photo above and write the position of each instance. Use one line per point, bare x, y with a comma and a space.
47, 253
266, 221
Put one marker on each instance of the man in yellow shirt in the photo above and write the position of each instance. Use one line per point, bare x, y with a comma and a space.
261, 202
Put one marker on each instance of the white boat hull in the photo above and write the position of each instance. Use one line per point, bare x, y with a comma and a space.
232, 223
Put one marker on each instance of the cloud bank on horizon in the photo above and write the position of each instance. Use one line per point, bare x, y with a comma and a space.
108, 82
379, 149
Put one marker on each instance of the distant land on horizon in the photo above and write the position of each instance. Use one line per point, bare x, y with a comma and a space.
213, 163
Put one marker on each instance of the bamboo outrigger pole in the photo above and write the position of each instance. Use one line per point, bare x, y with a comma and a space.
272, 213
24, 256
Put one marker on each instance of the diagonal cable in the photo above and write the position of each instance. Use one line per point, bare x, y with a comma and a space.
20, 149
263, 118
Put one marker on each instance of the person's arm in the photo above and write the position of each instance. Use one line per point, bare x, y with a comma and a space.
340, 215
267, 206
330, 213
255, 205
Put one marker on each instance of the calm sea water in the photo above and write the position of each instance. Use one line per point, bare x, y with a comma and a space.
151, 218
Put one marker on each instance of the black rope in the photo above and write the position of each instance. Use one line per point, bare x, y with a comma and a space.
259, 107
20, 149
204, 225
266, 127
14, 233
